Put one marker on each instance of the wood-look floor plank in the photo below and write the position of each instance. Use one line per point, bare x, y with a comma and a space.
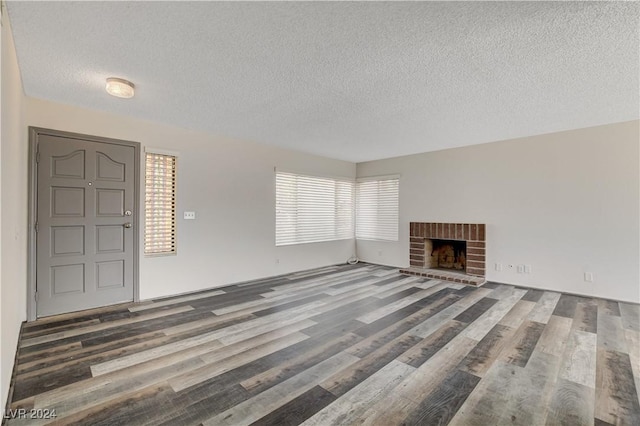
352, 404
79, 316
630, 314
348, 378
522, 344
85, 330
544, 308
384, 335
192, 408
228, 338
579, 359
62, 327
608, 307
36, 384
486, 352
46, 358
298, 364
35, 355
521, 309
616, 393
533, 295
205, 323
407, 311
79, 396
554, 338
387, 272
105, 352
531, 390
397, 286
426, 348
426, 379
571, 404
213, 369
153, 353
472, 313
128, 408
168, 367
174, 301
485, 322
488, 401
501, 291
285, 306
633, 343
443, 404
566, 306
299, 409
611, 334
427, 283
586, 317
262, 404
432, 324
322, 282
383, 311
124, 331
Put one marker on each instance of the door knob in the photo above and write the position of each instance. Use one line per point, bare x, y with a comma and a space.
128, 225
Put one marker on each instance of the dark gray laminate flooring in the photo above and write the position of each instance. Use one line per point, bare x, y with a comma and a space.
336, 346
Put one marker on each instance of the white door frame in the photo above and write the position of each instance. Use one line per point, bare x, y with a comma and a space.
34, 133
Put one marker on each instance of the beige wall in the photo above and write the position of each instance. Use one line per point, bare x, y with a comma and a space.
230, 186
565, 203
13, 187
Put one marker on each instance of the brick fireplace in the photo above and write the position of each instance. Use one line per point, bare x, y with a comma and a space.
464, 259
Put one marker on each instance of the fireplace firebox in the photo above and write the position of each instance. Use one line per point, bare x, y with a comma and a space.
445, 254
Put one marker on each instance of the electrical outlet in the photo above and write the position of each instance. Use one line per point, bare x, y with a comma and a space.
498, 267
588, 277
527, 269
190, 215
521, 269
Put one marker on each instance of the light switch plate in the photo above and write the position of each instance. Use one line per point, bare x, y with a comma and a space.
189, 215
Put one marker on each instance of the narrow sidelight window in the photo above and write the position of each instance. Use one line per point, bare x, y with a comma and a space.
160, 204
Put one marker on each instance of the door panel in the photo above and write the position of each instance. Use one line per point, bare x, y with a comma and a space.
84, 252
67, 201
109, 169
67, 241
109, 239
110, 274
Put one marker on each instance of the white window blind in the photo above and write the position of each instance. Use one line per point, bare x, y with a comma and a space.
160, 204
311, 209
377, 208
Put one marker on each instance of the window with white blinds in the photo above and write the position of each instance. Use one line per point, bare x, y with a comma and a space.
160, 204
377, 208
312, 209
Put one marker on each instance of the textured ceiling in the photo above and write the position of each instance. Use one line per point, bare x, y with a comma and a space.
355, 81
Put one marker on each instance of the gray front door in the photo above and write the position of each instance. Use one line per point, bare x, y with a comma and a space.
85, 224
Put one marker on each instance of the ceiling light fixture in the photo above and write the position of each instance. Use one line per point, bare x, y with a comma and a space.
120, 88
